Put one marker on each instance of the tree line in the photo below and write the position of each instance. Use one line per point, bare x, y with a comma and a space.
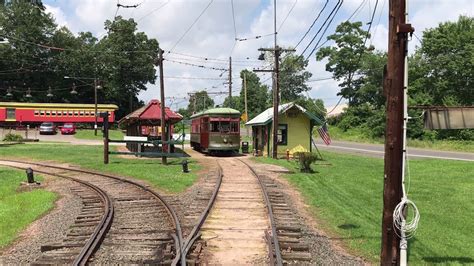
36, 56
441, 73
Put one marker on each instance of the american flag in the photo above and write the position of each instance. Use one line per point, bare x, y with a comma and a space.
323, 132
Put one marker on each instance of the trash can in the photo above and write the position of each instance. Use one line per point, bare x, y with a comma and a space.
245, 147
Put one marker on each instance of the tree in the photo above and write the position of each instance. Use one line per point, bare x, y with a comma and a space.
235, 104
199, 101
126, 61
346, 57
257, 94
314, 106
443, 66
293, 77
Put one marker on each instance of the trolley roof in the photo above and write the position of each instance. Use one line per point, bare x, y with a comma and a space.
217, 111
57, 105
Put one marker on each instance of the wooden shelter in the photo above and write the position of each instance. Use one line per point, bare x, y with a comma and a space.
295, 129
146, 122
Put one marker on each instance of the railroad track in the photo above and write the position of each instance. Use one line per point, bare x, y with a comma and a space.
286, 243
121, 222
284, 237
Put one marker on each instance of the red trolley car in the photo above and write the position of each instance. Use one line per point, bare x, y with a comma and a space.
216, 130
35, 113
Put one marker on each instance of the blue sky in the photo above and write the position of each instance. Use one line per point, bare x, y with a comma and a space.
213, 35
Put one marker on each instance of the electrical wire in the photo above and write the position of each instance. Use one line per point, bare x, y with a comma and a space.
312, 24
357, 10
254, 37
321, 37
339, 3
195, 65
287, 15
233, 18
191, 26
153, 11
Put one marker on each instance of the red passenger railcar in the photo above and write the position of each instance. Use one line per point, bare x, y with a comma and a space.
34, 113
216, 130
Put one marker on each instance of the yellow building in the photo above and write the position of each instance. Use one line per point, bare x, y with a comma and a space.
295, 130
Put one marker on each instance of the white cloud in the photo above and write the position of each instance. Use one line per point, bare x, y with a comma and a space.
58, 15
213, 35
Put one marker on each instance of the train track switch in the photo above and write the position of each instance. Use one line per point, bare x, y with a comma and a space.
30, 176
185, 166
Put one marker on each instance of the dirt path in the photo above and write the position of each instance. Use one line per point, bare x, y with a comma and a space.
234, 230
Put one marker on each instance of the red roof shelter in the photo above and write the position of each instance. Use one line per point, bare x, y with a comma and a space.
146, 121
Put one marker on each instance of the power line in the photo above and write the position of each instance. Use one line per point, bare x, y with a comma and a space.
357, 10
153, 11
254, 37
233, 18
312, 24
337, 7
190, 27
339, 3
195, 65
287, 15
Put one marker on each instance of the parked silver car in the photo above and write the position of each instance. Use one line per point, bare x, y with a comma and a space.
47, 128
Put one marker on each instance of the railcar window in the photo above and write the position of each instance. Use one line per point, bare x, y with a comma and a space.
234, 126
36, 113
214, 126
282, 134
53, 113
81, 113
224, 126
42, 112
76, 113
87, 113
70, 113
48, 113
64, 113
11, 113
59, 113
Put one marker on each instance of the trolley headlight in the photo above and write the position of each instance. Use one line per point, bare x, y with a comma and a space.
225, 140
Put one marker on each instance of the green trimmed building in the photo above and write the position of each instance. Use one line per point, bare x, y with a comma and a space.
295, 130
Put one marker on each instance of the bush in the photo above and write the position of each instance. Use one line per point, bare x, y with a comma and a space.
12, 137
305, 160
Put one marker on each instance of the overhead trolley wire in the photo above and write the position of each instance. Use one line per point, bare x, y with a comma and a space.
336, 7
287, 15
153, 11
191, 26
312, 24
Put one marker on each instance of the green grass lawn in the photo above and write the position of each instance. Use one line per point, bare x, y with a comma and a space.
18, 210
356, 135
89, 134
346, 197
169, 178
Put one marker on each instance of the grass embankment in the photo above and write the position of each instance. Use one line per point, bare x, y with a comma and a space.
89, 134
357, 135
169, 178
347, 198
18, 210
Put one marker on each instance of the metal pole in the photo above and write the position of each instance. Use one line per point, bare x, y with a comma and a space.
230, 82
95, 104
163, 115
275, 89
393, 89
245, 100
106, 137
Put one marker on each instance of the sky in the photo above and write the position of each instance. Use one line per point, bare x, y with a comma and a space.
213, 35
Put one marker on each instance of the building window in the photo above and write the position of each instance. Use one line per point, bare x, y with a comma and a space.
11, 113
282, 134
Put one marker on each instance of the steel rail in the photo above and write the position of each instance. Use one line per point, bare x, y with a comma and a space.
171, 212
101, 229
194, 233
279, 260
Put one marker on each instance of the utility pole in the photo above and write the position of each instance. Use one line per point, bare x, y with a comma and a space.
230, 82
276, 94
164, 147
95, 106
245, 101
394, 90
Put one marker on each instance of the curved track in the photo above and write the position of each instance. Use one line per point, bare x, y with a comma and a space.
123, 201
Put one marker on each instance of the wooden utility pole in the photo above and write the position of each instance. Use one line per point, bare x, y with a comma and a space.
393, 89
276, 93
164, 147
230, 82
245, 101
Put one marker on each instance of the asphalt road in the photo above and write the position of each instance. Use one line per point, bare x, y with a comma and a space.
377, 150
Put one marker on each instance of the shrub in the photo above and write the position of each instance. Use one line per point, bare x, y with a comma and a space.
12, 137
305, 160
